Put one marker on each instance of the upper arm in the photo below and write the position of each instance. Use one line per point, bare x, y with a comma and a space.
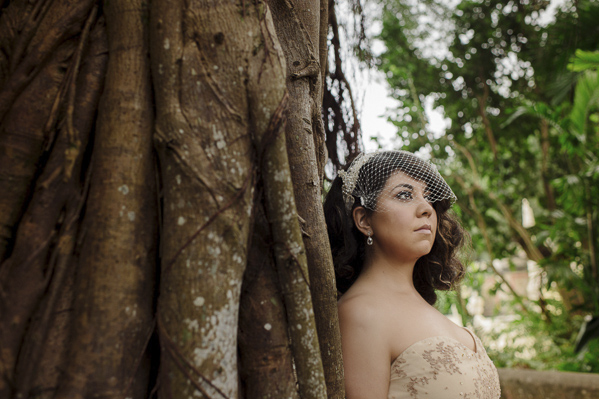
366, 355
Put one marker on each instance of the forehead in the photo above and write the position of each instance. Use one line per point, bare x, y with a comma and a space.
400, 178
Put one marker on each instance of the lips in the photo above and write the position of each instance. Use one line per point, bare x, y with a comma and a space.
426, 228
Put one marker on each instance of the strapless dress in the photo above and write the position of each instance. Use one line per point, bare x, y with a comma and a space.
443, 368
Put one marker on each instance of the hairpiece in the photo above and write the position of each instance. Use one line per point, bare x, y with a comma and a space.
350, 178
367, 176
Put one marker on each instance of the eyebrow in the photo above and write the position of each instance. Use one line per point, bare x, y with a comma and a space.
406, 185
410, 187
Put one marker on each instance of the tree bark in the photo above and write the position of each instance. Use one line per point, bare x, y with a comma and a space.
266, 362
78, 215
292, 265
36, 70
298, 30
114, 287
267, 105
57, 197
323, 46
204, 57
31, 124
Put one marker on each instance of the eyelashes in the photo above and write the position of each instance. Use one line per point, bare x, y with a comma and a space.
407, 196
404, 196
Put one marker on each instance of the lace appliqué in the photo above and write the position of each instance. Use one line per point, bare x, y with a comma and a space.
486, 383
412, 385
397, 368
446, 358
440, 367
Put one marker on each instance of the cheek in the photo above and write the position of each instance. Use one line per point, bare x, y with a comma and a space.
435, 225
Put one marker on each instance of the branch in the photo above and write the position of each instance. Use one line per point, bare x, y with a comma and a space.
545, 162
483, 229
291, 261
482, 101
532, 251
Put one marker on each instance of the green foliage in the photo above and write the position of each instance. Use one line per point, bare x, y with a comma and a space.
532, 343
587, 361
584, 60
523, 100
586, 102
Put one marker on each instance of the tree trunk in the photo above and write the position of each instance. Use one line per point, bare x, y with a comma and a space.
27, 132
39, 57
291, 260
113, 308
266, 362
47, 336
86, 203
225, 52
298, 29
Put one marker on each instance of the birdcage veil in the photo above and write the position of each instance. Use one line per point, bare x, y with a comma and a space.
366, 177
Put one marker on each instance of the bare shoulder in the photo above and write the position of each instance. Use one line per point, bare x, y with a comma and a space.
362, 310
396, 321
365, 345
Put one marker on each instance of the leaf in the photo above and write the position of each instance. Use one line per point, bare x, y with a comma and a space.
586, 97
539, 110
561, 88
518, 113
584, 60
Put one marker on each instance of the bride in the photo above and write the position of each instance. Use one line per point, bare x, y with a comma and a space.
394, 243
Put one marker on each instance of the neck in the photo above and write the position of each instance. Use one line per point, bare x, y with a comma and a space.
394, 274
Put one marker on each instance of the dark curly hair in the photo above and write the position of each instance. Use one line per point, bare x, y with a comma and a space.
440, 269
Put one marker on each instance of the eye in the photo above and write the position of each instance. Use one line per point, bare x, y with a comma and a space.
428, 197
404, 196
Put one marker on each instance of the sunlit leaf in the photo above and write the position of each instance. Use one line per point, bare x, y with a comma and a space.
586, 98
584, 60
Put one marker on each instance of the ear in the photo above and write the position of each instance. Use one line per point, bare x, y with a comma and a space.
362, 220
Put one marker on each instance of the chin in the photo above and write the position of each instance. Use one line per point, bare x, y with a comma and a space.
426, 251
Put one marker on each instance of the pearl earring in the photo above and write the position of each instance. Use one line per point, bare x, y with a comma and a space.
369, 239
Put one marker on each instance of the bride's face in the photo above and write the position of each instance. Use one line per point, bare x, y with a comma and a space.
407, 225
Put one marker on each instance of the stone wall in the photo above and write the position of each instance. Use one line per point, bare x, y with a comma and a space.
532, 384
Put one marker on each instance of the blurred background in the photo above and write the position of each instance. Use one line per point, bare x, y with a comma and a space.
503, 96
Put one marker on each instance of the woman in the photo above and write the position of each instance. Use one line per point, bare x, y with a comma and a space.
394, 243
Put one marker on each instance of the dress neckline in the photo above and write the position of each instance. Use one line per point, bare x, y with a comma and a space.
435, 337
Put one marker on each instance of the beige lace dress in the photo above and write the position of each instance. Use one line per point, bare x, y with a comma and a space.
443, 368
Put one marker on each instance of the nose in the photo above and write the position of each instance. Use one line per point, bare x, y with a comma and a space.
425, 208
